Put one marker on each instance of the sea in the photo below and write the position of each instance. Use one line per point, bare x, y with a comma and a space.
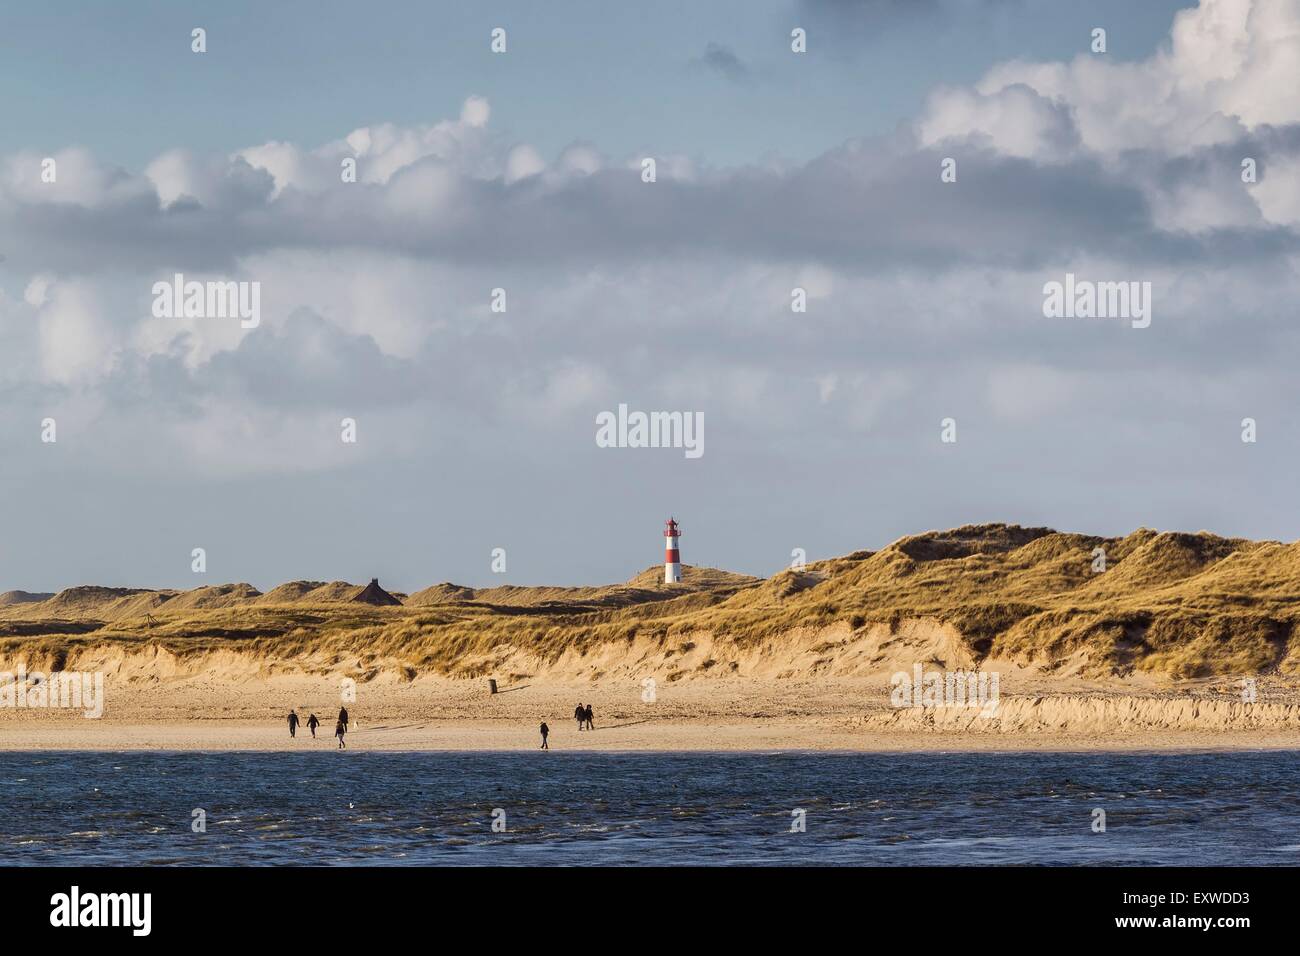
330, 808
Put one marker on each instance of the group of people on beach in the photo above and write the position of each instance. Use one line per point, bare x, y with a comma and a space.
340, 728
582, 714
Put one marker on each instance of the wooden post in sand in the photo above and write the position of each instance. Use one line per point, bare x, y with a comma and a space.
492, 685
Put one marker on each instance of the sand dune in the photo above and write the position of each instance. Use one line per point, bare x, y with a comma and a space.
22, 597
1161, 640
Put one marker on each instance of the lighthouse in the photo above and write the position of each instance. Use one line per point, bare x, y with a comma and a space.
672, 558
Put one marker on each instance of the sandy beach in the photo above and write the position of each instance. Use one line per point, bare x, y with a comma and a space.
768, 736
737, 715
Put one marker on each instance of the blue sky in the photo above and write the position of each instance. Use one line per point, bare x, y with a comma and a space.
776, 171
119, 77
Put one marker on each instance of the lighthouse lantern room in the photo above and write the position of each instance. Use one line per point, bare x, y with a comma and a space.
672, 557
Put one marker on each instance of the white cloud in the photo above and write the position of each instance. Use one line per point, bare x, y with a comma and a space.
37, 290
381, 151
579, 159
78, 180
176, 173
1278, 192
522, 162
1016, 119
475, 112
1231, 66
676, 296
77, 343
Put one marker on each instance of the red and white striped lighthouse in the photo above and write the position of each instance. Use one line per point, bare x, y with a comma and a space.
672, 558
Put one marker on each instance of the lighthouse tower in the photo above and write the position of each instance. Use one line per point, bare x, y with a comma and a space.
672, 558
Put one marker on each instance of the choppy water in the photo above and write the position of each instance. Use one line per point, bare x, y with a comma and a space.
436, 808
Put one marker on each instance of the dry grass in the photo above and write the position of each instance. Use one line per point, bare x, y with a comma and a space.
1170, 604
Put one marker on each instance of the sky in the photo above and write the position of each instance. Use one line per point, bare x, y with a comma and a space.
128, 157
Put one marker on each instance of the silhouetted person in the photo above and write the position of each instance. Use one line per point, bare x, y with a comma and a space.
579, 715
343, 718
586, 715
339, 730
545, 730
293, 724
312, 724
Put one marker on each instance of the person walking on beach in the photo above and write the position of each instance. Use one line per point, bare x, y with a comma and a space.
587, 716
579, 715
343, 718
339, 730
293, 724
545, 730
312, 724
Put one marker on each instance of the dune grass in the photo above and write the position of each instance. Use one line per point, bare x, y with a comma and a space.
1172, 604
